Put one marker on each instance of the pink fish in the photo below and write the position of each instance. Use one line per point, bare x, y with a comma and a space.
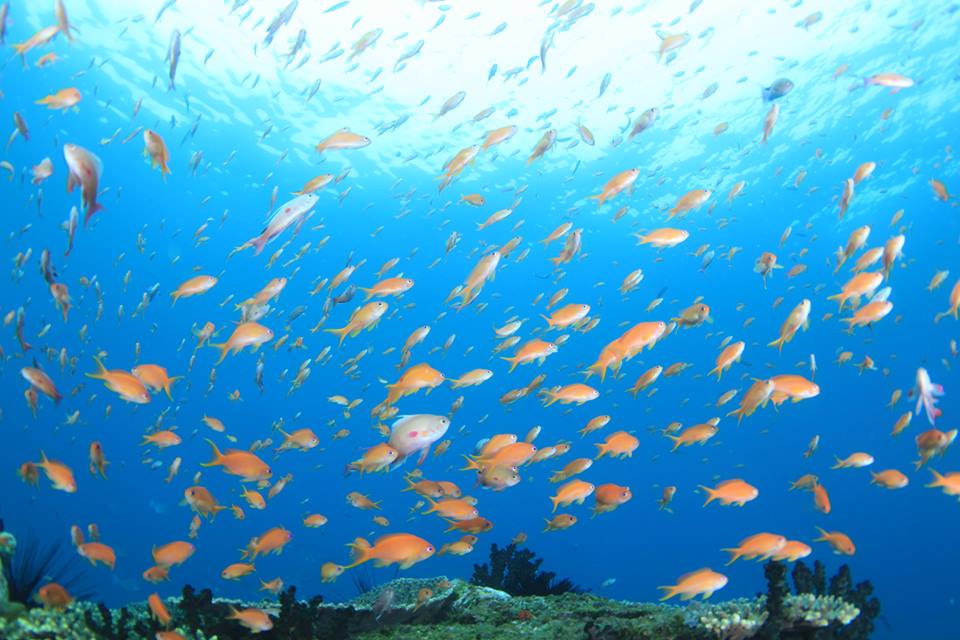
410, 434
84, 169
293, 212
927, 393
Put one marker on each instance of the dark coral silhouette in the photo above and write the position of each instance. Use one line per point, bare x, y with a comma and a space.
517, 572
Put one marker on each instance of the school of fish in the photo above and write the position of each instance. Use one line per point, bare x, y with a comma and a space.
440, 467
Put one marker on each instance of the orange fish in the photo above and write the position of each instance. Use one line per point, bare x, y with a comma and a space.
735, 492
255, 620
618, 445
98, 462
201, 501
62, 99
841, 542
271, 541
610, 496
54, 596
59, 474
702, 582
156, 149
573, 491
761, 546
155, 377
194, 286
98, 552
246, 465
173, 553
402, 549
237, 570
121, 382
246, 334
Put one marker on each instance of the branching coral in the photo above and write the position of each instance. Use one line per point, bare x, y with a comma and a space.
815, 611
517, 571
731, 620
35, 562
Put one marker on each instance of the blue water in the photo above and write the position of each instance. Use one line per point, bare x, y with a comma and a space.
826, 127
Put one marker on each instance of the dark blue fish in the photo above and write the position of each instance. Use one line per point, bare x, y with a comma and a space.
777, 90
604, 84
282, 18
339, 5
409, 53
492, 72
166, 5
499, 29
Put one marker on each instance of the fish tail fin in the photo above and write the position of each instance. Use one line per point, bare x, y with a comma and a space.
823, 535
550, 323
101, 370
217, 455
224, 349
170, 381
556, 502
472, 464
778, 343
669, 592
676, 442
711, 494
361, 550
257, 243
734, 555
91, 210
513, 362
937, 480
341, 332
602, 450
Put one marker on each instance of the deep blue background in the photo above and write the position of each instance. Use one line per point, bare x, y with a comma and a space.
903, 537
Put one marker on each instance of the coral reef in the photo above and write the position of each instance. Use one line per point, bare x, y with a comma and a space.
8, 546
34, 562
442, 609
50, 624
126, 626
517, 572
816, 611
731, 620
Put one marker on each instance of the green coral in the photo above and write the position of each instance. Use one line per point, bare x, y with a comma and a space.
8, 610
45, 624
457, 610
732, 620
808, 609
743, 618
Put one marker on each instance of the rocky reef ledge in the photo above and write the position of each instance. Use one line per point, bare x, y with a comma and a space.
442, 609
459, 610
